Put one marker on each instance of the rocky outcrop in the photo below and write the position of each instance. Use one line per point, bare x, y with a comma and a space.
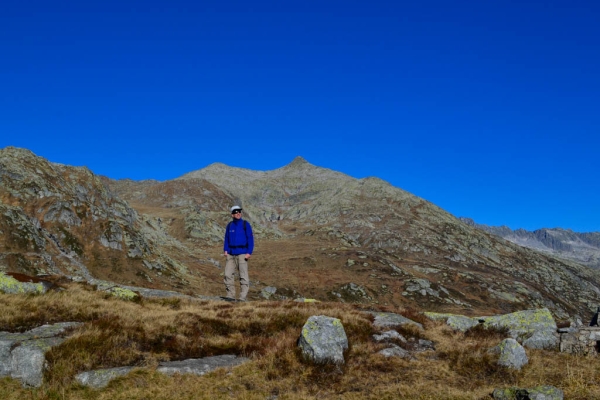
535, 329
323, 340
22, 355
62, 220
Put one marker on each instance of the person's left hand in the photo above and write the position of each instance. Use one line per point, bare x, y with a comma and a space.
247, 256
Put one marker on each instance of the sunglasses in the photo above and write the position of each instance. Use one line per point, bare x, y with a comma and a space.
236, 212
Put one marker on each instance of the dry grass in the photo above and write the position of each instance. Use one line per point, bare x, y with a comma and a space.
117, 333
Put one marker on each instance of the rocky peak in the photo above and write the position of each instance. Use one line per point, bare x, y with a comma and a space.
298, 162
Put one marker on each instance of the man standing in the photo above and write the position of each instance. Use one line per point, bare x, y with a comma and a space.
238, 246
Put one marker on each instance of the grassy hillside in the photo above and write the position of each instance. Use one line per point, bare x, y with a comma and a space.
118, 333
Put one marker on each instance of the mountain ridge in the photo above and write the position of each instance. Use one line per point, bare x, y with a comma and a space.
581, 247
319, 234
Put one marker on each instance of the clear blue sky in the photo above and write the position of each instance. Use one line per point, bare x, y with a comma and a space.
489, 109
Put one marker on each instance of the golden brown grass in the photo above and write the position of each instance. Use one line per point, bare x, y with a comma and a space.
117, 333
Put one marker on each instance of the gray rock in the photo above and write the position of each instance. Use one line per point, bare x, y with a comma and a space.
5, 347
543, 392
383, 319
461, 323
389, 335
512, 354
395, 351
323, 340
27, 360
536, 329
100, 378
200, 366
22, 354
425, 345
267, 292
457, 322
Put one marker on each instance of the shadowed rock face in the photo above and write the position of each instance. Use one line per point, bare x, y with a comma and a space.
319, 234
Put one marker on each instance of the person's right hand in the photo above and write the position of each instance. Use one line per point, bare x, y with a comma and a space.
225, 254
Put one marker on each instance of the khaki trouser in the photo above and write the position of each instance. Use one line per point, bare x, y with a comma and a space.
236, 262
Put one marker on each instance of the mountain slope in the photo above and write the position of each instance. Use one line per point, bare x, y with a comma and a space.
319, 234
57, 219
406, 239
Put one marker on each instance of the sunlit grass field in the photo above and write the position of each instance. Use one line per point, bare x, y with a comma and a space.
123, 333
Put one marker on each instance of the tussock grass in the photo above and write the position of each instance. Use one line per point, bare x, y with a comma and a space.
117, 333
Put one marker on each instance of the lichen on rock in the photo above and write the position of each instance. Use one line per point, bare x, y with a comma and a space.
10, 285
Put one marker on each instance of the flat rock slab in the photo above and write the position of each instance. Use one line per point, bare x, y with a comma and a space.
22, 355
200, 366
144, 292
100, 378
383, 319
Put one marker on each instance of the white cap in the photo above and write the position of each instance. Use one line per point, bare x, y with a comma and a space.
236, 208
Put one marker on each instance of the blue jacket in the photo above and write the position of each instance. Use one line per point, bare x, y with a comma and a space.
238, 238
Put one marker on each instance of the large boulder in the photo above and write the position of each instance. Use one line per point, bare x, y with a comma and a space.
535, 329
512, 354
323, 340
22, 355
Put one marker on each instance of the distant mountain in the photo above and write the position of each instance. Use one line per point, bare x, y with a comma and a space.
583, 248
319, 234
